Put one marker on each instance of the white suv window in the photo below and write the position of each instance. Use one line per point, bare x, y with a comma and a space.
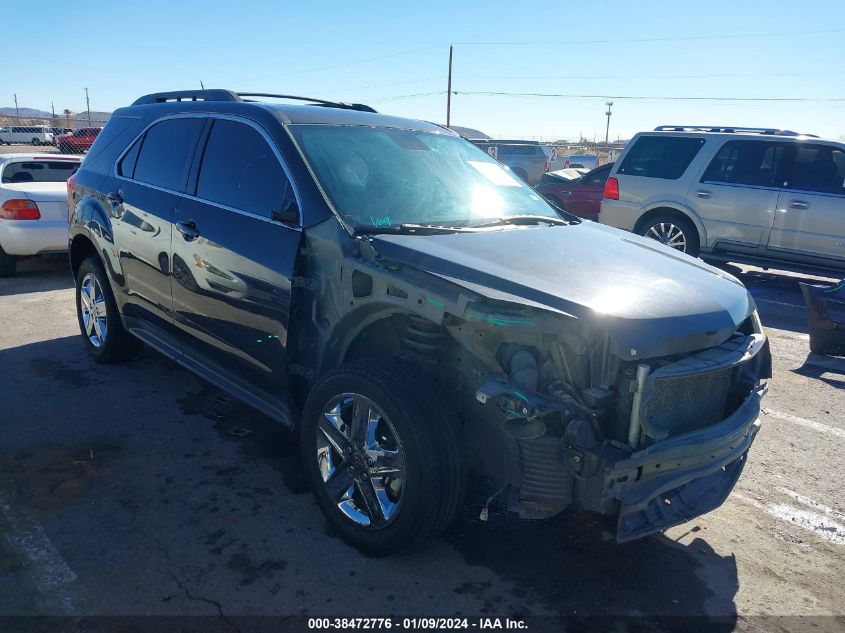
818, 168
754, 163
661, 156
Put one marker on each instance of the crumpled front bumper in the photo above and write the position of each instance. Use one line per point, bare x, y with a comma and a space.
682, 477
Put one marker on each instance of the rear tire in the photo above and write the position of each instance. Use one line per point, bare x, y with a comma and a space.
99, 320
674, 231
8, 264
418, 501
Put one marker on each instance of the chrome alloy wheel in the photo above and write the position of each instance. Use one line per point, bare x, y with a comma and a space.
93, 306
669, 234
361, 460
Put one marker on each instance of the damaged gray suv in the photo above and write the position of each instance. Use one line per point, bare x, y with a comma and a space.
416, 313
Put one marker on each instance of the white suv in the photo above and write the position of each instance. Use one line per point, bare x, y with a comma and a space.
751, 195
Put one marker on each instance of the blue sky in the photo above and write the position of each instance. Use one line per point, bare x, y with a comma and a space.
121, 50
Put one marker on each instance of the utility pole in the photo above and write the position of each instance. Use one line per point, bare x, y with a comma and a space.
609, 105
449, 91
53, 109
202, 85
17, 112
88, 107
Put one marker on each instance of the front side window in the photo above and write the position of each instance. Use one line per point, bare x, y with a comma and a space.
378, 176
747, 163
818, 168
240, 170
166, 152
661, 156
39, 171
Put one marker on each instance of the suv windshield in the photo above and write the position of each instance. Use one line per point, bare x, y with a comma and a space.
387, 177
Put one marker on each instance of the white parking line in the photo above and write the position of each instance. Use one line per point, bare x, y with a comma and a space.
812, 503
42, 561
810, 424
822, 526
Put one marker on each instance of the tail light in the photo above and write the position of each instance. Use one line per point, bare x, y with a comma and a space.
547, 166
611, 189
19, 209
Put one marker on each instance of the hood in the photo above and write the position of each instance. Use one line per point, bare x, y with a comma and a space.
651, 299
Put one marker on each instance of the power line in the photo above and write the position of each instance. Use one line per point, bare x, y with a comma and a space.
703, 76
633, 97
394, 83
411, 96
346, 64
686, 38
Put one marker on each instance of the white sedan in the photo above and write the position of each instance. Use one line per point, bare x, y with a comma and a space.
33, 206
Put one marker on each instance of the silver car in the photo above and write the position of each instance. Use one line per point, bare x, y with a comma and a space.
751, 195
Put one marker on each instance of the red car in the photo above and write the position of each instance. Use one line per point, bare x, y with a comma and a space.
79, 141
581, 197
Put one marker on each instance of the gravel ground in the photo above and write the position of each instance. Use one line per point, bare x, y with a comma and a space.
129, 490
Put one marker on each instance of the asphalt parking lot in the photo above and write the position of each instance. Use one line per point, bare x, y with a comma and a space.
136, 489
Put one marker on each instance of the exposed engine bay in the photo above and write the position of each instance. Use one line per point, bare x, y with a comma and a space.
562, 405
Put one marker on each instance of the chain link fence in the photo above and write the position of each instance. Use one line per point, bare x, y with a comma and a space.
68, 133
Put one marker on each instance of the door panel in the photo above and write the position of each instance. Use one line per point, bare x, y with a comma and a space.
737, 195
142, 225
142, 200
810, 222
231, 291
737, 218
233, 262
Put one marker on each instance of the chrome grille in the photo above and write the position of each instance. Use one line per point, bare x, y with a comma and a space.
685, 403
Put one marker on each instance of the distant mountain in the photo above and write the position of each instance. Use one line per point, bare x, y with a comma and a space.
28, 112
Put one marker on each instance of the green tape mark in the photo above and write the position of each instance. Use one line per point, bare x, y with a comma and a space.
333, 342
437, 304
499, 321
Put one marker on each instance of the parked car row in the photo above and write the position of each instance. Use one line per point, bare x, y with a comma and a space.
68, 140
421, 316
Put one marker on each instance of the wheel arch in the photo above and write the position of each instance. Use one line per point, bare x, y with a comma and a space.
676, 210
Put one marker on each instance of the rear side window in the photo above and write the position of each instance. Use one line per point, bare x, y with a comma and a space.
661, 156
597, 176
747, 163
818, 168
240, 170
39, 171
126, 167
166, 151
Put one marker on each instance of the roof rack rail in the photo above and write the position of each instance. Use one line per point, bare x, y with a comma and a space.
728, 130
320, 102
188, 95
229, 95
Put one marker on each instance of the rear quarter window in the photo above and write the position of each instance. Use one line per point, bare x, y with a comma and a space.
664, 157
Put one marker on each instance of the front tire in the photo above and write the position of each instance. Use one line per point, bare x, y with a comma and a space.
382, 453
99, 320
673, 231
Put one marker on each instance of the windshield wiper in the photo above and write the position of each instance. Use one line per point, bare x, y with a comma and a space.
407, 229
525, 220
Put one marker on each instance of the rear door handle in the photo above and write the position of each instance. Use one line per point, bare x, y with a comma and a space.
188, 230
799, 205
703, 194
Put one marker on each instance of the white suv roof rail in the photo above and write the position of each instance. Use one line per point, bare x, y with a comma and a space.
728, 130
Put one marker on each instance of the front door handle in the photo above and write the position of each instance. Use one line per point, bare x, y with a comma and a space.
799, 205
703, 194
188, 230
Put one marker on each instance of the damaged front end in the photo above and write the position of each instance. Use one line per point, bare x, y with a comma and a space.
654, 441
